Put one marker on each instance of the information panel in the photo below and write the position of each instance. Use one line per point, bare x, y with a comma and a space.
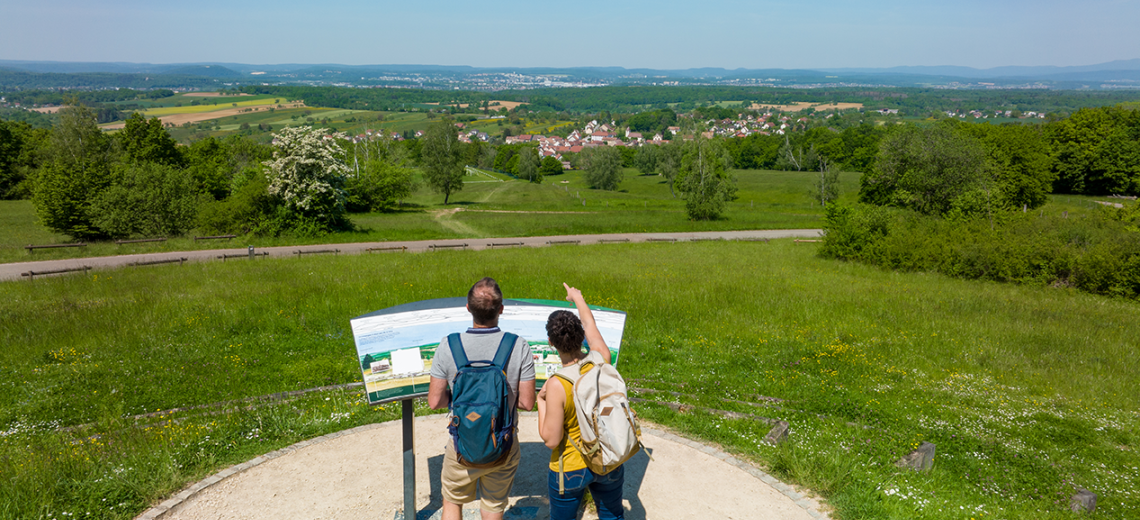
395, 346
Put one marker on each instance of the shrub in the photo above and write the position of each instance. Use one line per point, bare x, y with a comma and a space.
146, 200
1097, 254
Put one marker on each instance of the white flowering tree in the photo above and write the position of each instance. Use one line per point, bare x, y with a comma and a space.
308, 174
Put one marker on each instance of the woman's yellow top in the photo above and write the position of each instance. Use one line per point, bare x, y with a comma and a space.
571, 458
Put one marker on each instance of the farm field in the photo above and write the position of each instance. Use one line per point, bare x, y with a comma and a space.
126, 385
491, 207
224, 107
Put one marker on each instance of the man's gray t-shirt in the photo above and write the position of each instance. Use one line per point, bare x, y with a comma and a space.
480, 345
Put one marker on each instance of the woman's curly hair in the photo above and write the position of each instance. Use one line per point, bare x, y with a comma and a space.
565, 331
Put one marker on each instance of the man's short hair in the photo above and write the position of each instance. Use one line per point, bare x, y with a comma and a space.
565, 332
484, 301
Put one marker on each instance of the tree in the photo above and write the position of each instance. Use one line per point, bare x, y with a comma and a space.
22, 151
602, 167
929, 170
704, 180
308, 176
1096, 151
78, 169
646, 159
145, 140
378, 186
669, 163
826, 187
528, 165
440, 157
550, 166
1019, 163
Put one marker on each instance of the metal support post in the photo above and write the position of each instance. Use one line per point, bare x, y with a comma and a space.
409, 461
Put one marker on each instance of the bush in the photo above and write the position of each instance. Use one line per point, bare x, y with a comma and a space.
146, 200
249, 209
378, 187
1098, 254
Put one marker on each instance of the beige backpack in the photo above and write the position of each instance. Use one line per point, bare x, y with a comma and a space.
610, 434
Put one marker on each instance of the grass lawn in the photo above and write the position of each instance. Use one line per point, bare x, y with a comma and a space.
123, 386
497, 206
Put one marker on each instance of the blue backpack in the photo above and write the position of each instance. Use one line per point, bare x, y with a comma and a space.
482, 414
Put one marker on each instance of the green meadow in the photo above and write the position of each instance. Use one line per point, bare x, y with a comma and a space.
121, 387
493, 206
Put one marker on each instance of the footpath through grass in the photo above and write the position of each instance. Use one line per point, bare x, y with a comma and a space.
121, 387
489, 207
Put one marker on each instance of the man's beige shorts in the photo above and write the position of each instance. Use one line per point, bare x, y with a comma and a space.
493, 485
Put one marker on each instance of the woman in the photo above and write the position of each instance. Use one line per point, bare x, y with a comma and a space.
558, 422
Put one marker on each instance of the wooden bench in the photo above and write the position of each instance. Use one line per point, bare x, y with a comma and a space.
216, 237
33, 274
139, 241
30, 247
447, 246
316, 251
393, 248
157, 262
242, 255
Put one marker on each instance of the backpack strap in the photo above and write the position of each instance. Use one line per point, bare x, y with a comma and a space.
506, 347
457, 352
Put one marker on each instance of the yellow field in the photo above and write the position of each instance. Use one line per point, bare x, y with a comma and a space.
196, 109
214, 94
803, 105
493, 104
180, 115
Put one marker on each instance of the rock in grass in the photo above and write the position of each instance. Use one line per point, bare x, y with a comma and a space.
1084, 500
778, 433
921, 459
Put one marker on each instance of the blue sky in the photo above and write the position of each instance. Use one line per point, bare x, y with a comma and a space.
665, 34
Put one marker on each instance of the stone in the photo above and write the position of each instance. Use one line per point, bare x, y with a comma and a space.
778, 433
921, 459
1084, 500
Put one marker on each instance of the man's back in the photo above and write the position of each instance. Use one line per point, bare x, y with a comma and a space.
481, 345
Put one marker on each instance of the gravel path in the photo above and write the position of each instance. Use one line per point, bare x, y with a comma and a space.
357, 474
19, 270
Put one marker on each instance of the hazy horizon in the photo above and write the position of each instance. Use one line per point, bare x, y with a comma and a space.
666, 35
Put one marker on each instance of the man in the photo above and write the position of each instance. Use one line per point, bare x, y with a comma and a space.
461, 484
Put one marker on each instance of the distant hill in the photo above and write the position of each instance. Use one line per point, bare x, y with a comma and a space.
44, 74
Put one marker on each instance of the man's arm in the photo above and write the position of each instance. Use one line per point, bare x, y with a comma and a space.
439, 394
526, 395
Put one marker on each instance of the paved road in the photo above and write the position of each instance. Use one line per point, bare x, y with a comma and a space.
18, 270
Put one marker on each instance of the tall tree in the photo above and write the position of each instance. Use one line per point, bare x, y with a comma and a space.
528, 165
704, 179
603, 167
77, 171
440, 157
145, 140
929, 170
669, 163
825, 188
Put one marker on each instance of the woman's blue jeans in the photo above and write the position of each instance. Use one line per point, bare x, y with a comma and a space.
606, 490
